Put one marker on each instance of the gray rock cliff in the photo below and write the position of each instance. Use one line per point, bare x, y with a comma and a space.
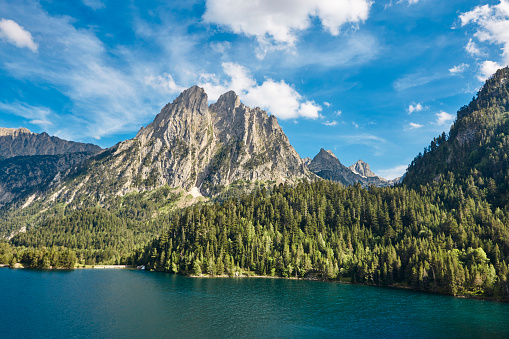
20, 141
191, 145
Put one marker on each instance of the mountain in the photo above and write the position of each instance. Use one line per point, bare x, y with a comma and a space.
326, 165
191, 145
362, 168
21, 176
475, 152
20, 142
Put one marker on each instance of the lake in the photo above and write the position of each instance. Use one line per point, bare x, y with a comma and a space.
138, 304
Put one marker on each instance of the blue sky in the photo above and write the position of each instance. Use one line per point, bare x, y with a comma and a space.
371, 80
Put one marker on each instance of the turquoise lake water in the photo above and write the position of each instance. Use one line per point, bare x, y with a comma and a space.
137, 304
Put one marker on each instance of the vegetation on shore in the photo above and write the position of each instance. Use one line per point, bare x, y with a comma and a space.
380, 236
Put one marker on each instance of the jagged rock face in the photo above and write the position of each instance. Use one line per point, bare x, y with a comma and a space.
190, 144
362, 168
17, 142
326, 165
24, 175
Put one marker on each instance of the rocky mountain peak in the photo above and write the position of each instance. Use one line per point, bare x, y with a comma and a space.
13, 131
362, 168
20, 141
199, 147
193, 99
226, 102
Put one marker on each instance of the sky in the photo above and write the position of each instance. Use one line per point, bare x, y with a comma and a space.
371, 80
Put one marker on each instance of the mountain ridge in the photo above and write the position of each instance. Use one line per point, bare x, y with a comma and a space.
22, 142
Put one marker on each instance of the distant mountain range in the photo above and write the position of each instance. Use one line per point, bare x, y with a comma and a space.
20, 141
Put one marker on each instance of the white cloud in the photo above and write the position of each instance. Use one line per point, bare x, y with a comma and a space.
443, 118
164, 83
16, 35
338, 113
94, 4
355, 124
36, 115
414, 125
487, 69
492, 23
472, 49
220, 46
327, 104
276, 24
458, 69
278, 98
330, 123
106, 88
419, 78
393, 173
415, 108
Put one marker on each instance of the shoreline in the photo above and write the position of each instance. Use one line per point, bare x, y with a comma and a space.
399, 287
242, 276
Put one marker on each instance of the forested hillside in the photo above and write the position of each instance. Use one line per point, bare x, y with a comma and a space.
381, 236
474, 155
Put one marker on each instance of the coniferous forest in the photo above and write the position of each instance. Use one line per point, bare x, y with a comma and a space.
444, 229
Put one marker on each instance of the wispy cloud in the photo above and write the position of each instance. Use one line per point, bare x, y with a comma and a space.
35, 115
392, 173
330, 123
419, 78
94, 4
472, 49
458, 69
13, 33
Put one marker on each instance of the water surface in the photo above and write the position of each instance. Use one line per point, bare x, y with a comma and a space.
137, 304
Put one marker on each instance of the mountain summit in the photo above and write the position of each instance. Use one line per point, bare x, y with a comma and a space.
362, 168
193, 146
20, 141
326, 165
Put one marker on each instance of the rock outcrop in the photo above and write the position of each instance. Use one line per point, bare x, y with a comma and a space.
362, 168
192, 145
326, 165
20, 141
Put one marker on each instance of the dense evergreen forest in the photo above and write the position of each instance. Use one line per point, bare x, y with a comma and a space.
445, 229
380, 236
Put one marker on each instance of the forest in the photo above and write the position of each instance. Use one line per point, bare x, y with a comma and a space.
444, 229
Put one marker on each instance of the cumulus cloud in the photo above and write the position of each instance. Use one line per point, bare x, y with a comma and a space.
414, 125
277, 23
443, 118
13, 33
278, 98
492, 23
415, 108
487, 69
458, 69
330, 123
